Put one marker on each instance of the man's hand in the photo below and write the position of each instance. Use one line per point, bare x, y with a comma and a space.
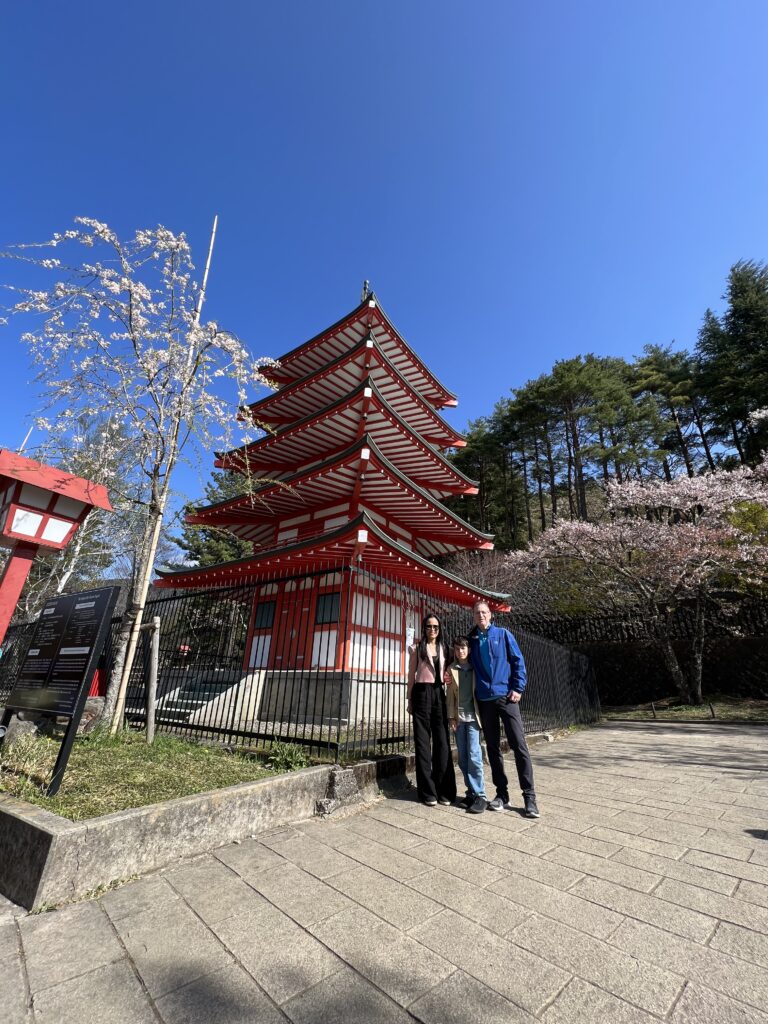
514, 697
408, 707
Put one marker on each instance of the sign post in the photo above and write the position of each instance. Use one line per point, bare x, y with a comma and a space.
56, 674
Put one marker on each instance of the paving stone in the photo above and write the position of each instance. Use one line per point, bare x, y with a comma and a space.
462, 999
587, 864
520, 976
582, 1003
13, 993
341, 999
642, 984
617, 840
753, 800
395, 963
282, 957
531, 841
382, 858
383, 832
634, 824
753, 892
672, 831
587, 842
8, 942
759, 856
459, 864
394, 902
212, 889
722, 844
728, 866
699, 1005
742, 942
680, 870
453, 838
709, 967
300, 895
170, 947
136, 897
65, 943
654, 910
228, 996
740, 817
314, 857
561, 906
494, 912
723, 908
532, 867
248, 859
108, 994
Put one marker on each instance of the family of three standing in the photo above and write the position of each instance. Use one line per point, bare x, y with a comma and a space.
476, 688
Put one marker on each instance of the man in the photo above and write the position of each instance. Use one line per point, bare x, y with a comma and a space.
499, 683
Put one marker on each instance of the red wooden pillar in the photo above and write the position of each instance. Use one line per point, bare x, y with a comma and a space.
12, 582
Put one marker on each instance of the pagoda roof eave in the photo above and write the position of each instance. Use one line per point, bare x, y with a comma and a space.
373, 308
208, 514
241, 459
340, 548
451, 437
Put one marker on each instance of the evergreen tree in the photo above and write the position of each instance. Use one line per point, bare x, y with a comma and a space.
206, 545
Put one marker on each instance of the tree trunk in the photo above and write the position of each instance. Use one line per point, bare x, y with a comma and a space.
527, 495
737, 442
551, 470
604, 454
682, 442
578, 471
674, 669
571, 504
703, 435
539, 483
698, 653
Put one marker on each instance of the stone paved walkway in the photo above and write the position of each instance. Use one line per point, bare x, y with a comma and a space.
640, 895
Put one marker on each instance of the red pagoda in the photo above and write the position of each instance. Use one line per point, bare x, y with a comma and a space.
344, 507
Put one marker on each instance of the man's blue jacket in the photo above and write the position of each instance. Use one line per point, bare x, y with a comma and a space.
507, 664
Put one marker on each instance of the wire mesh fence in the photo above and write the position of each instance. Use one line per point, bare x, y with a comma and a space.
318, 660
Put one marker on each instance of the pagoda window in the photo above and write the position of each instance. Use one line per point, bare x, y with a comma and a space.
261, 633
325, 637
327, 608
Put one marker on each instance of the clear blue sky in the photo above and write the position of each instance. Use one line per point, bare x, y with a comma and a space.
521, 182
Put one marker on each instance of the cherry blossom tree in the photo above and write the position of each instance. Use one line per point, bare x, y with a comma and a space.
659, 545
119, 333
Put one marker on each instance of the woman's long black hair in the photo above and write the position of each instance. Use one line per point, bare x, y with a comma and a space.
439, 639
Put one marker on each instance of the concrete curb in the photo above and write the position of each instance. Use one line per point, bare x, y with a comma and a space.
46, 859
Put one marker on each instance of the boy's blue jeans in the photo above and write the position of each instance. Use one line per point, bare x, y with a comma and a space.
470, 757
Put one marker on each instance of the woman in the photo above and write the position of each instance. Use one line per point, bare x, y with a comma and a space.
435, 778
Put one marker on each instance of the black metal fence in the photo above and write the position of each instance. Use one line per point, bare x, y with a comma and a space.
318, 660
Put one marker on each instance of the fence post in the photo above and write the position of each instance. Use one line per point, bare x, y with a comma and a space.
154, 660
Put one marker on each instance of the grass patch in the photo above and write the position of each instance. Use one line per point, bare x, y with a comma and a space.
726, 709
112, 773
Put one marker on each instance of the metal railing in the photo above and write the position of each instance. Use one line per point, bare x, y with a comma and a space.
318, 660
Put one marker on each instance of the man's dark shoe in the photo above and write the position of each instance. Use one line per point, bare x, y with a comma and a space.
497, 804
478, 805
531, 809
467, 801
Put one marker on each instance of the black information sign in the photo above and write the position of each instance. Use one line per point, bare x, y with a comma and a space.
56, 674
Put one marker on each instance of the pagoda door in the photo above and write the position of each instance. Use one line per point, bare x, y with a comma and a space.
292, 629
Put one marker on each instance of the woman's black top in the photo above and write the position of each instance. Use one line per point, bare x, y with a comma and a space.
436, 666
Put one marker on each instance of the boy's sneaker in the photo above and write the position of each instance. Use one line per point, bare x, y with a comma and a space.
467, 801
531, 810
478, 805
497, 804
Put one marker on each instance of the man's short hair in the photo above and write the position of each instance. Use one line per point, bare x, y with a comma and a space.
477, 604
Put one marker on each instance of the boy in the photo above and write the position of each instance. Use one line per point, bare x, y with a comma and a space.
464, 720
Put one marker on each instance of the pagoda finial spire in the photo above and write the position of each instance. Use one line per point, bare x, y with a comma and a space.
366, 291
